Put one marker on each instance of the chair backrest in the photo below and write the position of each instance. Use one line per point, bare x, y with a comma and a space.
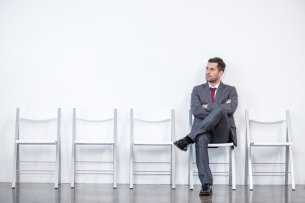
34, 118
191, 119
267, 117
32, 114
98, 116
153, 117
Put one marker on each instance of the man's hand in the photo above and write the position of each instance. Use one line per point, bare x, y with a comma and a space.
204, 106
228, 102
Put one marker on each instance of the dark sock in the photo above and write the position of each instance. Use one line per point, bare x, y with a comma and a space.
188, 139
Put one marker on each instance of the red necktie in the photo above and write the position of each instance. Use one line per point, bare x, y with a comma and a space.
213, 89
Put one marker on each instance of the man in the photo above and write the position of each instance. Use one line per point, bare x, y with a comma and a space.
213, 105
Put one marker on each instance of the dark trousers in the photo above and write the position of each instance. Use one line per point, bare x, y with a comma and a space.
215, 128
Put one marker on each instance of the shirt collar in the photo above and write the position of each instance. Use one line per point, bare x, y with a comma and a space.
216, 86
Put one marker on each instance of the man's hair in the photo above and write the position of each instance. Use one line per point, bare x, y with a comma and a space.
220, 64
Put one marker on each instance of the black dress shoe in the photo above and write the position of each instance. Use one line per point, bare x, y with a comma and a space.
181, 144
206, 190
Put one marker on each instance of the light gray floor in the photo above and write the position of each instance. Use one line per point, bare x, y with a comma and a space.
86, 193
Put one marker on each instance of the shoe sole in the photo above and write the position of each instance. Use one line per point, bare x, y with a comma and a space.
205, 194
182, 149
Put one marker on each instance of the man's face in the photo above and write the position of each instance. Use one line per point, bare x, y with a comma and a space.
212, 75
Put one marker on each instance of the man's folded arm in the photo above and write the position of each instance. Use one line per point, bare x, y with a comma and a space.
196, 106
231, 105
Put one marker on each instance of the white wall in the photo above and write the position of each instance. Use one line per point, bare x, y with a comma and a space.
148, 54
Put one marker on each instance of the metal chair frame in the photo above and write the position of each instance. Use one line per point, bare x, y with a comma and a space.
192, 161
133, 144
112, 143
18, 142
268, 118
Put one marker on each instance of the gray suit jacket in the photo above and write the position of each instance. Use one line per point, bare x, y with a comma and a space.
201, 95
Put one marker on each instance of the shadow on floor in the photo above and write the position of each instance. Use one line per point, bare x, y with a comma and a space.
87, 193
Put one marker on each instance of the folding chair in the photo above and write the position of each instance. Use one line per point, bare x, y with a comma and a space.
94, 115
36, 117
151, 117
268, 117
231, 162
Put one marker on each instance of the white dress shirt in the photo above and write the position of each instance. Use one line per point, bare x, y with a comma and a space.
216, 86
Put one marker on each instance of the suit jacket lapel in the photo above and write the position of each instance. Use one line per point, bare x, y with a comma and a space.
207, 91
219, 92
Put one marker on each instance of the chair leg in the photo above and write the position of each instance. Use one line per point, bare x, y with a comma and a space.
286, 165
15, 177
15, 165
18, 165
57, 166
173, 165
250, 168
114, 166
246, 166
233, 167
131, 168
188, 168
73, 165
291, 169
191, 176
230, 166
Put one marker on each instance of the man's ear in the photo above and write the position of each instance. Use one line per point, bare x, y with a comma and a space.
220, 73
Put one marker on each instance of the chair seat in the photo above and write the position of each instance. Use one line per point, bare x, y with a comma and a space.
93, 142
152, 143
270, 144
221, 145
43, 142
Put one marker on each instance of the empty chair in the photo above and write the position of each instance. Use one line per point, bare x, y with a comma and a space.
268, 117
231, 163
146, 116
39, 117
95, 115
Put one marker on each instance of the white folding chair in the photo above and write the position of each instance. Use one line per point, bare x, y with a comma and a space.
152, 117
268, 117
41, 116
95, 115
192, 161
